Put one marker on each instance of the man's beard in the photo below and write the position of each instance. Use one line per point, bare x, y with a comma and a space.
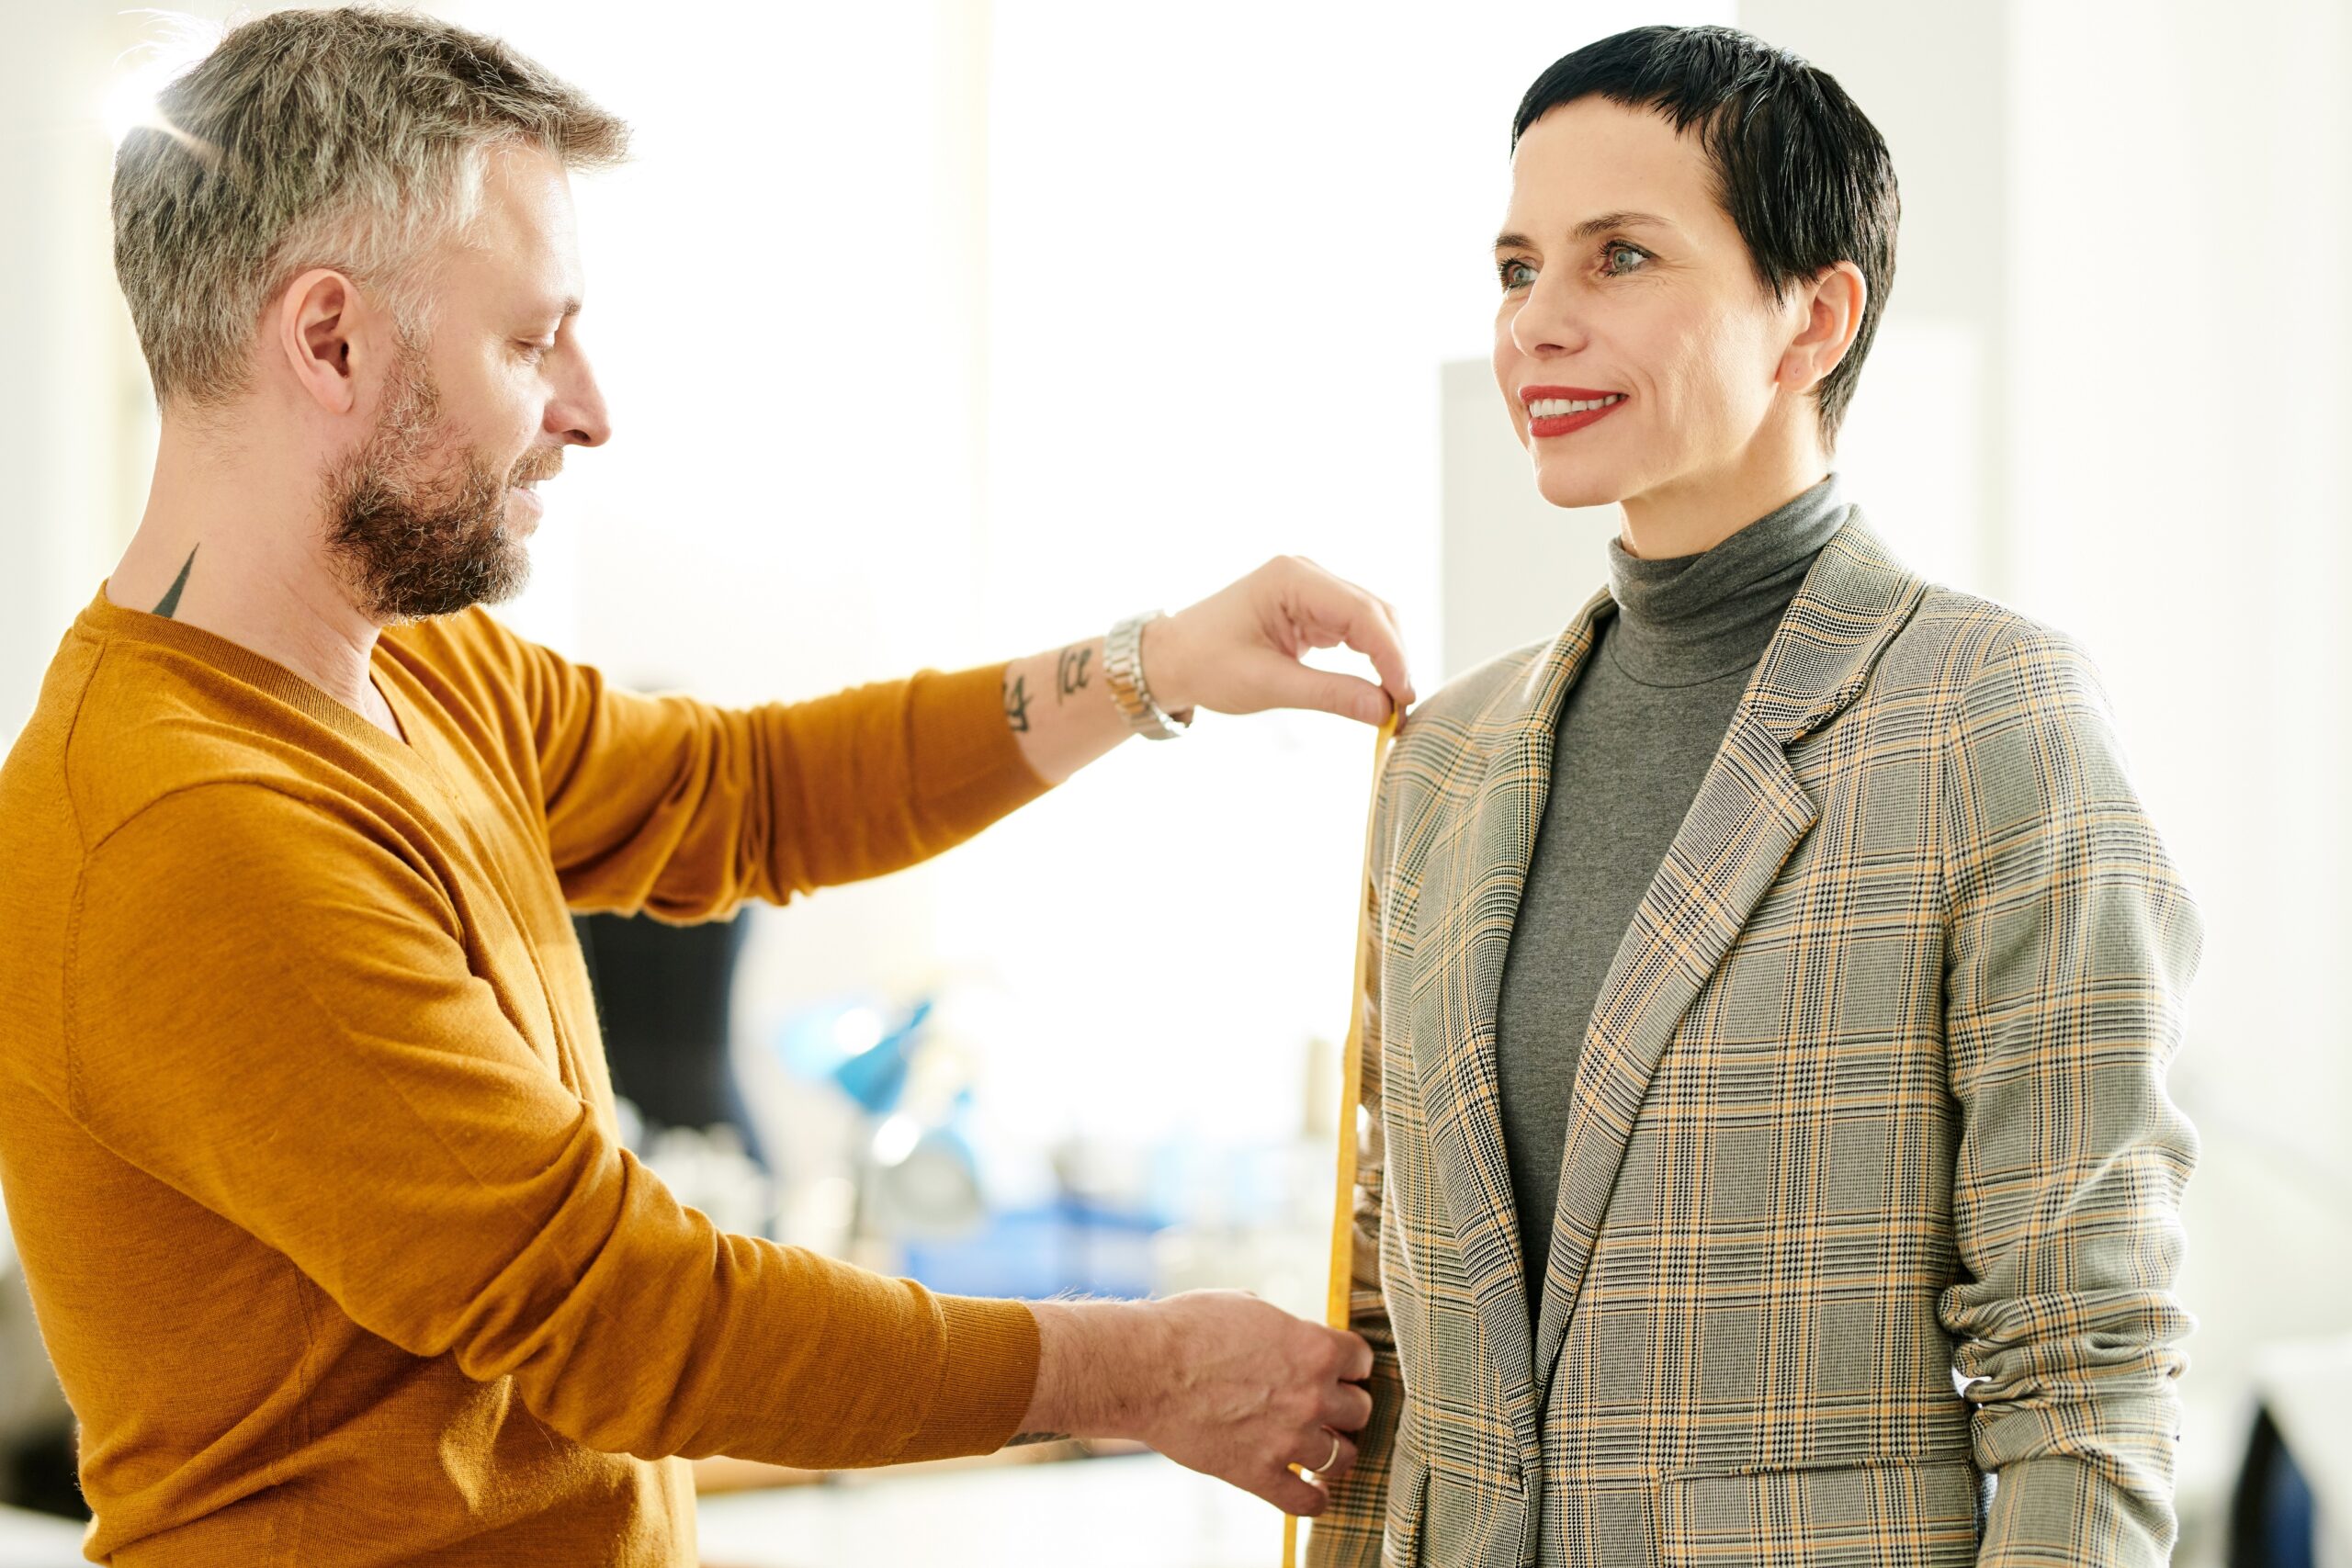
417, 522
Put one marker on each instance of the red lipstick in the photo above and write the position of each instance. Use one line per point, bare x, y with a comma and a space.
1563, 423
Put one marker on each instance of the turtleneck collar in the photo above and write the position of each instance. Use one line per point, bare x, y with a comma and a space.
1693, 618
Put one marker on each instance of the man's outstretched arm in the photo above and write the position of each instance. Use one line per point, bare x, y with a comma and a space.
323, 1032
686, 809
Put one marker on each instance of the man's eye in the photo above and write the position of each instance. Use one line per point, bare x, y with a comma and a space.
534, 352
1619, 260
1515, 275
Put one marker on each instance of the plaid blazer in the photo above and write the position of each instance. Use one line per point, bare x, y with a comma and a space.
1871, 1183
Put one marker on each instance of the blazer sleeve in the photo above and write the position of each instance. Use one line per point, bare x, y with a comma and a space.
2072, 944
1348, 1533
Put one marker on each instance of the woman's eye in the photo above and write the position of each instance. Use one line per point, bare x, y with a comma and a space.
1516, 274
1619, 260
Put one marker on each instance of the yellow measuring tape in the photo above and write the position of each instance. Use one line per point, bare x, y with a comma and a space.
1344, 1201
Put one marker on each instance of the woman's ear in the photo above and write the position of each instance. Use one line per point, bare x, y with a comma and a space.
1833, 313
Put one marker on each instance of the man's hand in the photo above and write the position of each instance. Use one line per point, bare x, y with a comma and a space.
1238, 650
1218, 1381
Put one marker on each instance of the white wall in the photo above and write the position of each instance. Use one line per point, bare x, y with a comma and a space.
74, 436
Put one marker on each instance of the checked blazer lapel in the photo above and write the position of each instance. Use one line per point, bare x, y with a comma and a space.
1748, 816
1469, 904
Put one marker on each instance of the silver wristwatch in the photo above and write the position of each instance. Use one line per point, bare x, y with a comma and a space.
1123, 672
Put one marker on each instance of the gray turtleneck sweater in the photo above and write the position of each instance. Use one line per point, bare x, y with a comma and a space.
1636, 732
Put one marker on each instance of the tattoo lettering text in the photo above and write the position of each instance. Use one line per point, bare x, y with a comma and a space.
1016, 703
1073, 673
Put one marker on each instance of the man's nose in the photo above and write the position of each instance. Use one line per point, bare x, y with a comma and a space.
577, 417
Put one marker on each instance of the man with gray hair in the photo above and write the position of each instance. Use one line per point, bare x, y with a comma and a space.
309, 1145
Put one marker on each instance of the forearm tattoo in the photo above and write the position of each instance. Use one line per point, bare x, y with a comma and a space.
1073, 671
1016, 702
171, 600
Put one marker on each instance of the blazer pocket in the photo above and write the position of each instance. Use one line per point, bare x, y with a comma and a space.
1877, 1514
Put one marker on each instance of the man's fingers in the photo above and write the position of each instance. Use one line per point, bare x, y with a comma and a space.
1346, 1407
1363, 624
1334, 1456
1293, 1494
1215, 654
1327, 690
1384, 644
1362, 620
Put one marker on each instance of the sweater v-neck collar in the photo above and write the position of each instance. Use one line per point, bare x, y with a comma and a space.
105, 619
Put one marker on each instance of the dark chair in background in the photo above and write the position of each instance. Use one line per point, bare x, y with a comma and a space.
2272, 1518
664, 995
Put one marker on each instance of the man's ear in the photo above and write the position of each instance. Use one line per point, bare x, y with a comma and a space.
1832, 304
322, 332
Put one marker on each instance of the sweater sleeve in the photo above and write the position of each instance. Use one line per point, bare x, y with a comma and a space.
683, 808
283, 1028
2073, 942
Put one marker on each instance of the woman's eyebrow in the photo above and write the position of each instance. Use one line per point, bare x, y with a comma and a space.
1591, 228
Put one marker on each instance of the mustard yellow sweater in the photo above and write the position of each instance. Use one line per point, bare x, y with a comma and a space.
305, 1129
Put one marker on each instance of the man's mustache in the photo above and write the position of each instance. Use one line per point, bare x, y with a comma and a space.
546, 465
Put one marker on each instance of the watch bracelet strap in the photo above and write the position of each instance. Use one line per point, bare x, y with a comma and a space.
1122, 671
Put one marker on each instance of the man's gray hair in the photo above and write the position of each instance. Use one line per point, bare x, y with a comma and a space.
352, 138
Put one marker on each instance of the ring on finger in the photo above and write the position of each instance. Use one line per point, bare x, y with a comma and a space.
1330, 1459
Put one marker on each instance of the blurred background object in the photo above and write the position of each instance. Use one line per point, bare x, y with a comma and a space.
1181, 289
36, 1426
665, 1001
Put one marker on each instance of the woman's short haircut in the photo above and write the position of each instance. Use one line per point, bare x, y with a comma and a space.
354, 139
1801, 170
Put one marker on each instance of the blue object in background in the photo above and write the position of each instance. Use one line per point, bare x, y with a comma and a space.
928, 1190
1069, 1244
2273, 1523
877, 1076
814, 1041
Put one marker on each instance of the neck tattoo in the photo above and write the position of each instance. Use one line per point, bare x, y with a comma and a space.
171, 600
